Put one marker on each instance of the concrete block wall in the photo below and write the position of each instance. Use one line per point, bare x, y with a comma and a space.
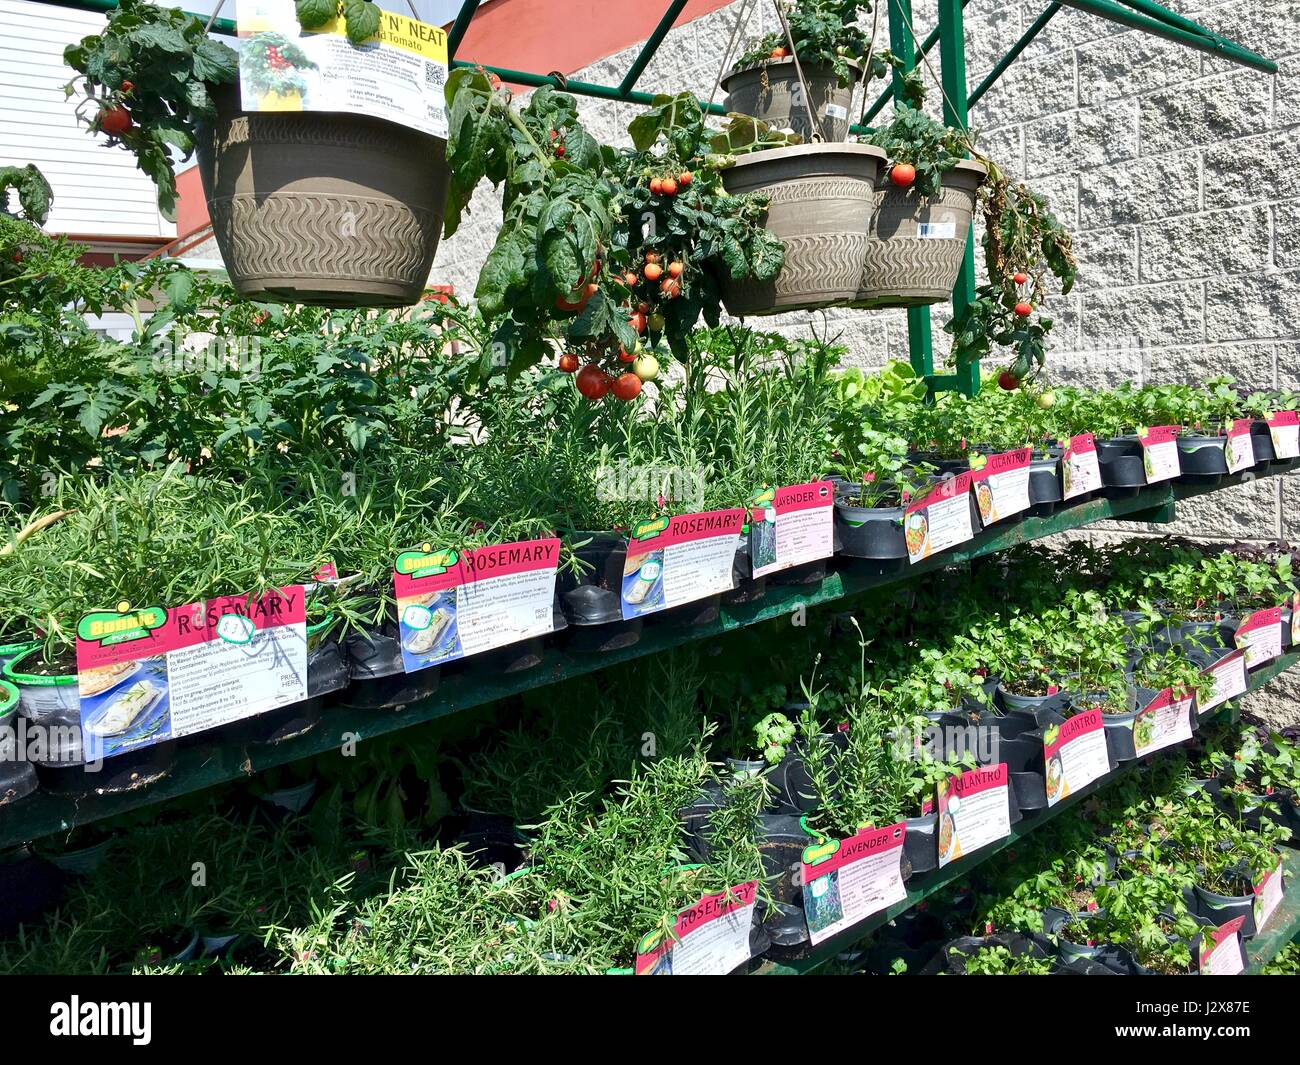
1178, 172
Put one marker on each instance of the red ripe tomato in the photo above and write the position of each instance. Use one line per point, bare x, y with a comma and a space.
671, 288
1021, 277
630, 279
626, 356
569, 362
675, 268
685, 178
669, 186
779, 53
652, 256
637, 322
1008, 381
115, 120
653, 271
656, 186
643, 307
626, 387
127, 86
494, 81
1024, 309
902, 175
575, 301
592, 381
559, 151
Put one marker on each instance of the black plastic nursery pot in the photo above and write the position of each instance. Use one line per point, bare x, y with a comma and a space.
791, 781
379, 678
515, 657
1045, 491
17, 775
591, 599
329, 670
52, 705
1219, 909
1116, 960
954, 955
921, 843
1120, 462
1202, 458
872, 534
1261, 442
745, 587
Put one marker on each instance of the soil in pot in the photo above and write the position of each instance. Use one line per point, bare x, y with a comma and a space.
45, 689
771, 92
821, 202
324, 208
916, 244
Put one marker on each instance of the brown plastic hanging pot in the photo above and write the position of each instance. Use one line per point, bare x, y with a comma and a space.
342, 210
821, 201
916, 244
770, 91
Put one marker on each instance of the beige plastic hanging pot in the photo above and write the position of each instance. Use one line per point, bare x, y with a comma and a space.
916, 243
821, 201
323, 208
770, 91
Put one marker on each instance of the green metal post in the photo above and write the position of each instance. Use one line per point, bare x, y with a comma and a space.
579, 88
652, 45
1202, 41
920, 343
1014, 53
458, 28
952, 56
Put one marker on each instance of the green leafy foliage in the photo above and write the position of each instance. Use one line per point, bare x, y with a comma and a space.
34, 193
825, 34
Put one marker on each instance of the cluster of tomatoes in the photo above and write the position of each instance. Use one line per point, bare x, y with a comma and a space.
557, 144
594, 382
671, 184
654, 271
276, 59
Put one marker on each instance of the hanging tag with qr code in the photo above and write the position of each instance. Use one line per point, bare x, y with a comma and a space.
398, 74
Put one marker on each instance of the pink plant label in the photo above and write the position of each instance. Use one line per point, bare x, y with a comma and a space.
1239, 450
1074, 755
454, 603
795, 526
974, 811
1001, 484
939, 520
710, 938
1222, 953
1080, 470
1284, 429
1160, 452
1231, 681
1260, 636
677, 560
1268, 896
1164, 721
153, 674
846, 882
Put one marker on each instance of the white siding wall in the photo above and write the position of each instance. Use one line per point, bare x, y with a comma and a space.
97, 189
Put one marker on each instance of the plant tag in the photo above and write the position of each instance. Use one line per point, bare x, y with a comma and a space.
671, 561
790, 526
1260, 636
939, 520
1295, 619
1284, 428
452, 603
1268, 896
848, 881
1230, 681
1074, 754
159, 673
710, 938
399, 74
1080, 471
1222, 952
1160, 452
1164, 721
1001, 483
936, 231
974, 811
1239, 449
836, 111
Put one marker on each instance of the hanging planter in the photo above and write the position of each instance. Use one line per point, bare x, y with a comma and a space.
770, 91
821, 201
916, 243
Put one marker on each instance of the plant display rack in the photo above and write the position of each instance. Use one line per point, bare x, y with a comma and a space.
948, 35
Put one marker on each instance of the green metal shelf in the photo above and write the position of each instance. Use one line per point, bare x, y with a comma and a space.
1282, 928
209, 764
